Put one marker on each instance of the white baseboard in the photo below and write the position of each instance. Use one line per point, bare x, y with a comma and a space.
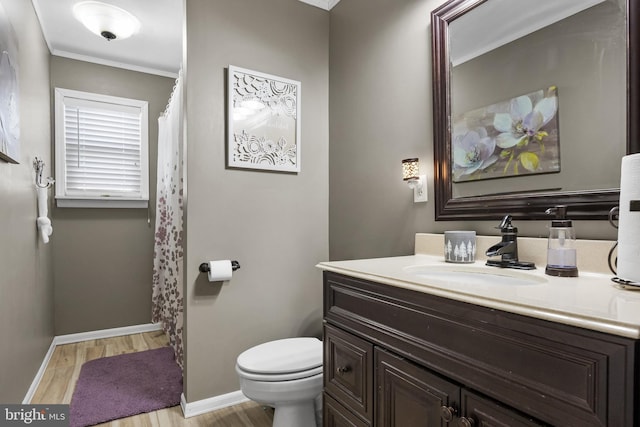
200, 407
84, 336
36, 381
106, 333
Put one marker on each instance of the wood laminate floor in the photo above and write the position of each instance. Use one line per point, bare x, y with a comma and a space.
62, 372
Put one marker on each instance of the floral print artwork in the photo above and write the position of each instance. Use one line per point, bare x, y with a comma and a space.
510, 138
264, 122
167, 300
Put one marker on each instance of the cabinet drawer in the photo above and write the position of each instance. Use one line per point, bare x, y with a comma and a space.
335, 415
348, 368
559, 374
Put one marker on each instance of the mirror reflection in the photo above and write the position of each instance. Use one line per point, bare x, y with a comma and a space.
531, 108
499, 56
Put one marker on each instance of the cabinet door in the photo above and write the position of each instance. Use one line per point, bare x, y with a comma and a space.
348, 371
409, 396
487, 413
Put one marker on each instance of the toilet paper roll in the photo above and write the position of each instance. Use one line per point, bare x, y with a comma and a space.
220, 270
629, 221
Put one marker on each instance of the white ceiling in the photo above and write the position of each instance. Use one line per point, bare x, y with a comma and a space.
322, 4
156, 49
497, 23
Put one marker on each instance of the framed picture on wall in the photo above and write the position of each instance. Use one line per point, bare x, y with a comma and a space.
263, 121
515, 137
9, 94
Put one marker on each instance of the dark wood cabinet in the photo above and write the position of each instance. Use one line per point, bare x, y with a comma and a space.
408, 395
335, 415
487, 413
397, 357
348, 371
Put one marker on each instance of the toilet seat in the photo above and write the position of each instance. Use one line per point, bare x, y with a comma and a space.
278, 377
281, 360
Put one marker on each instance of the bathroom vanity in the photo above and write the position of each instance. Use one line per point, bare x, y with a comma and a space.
405, 348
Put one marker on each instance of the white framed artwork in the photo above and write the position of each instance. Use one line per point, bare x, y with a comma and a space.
263, 129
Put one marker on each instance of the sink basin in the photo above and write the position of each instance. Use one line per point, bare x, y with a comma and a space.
474, 275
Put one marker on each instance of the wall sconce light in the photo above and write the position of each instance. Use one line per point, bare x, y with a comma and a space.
106, 20
417, 182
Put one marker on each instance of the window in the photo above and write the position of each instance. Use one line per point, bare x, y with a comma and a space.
102, 155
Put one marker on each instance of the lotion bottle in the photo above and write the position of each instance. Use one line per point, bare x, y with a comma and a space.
561, 249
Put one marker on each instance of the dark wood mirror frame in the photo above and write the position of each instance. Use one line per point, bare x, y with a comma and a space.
591, 204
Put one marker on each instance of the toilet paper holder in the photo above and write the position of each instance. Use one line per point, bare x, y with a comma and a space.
634, 205
204, 267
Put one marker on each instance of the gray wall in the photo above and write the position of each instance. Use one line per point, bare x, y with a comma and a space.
380, 113
26, 285
275, 224
104, 257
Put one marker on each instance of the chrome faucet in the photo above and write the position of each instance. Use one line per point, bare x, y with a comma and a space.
507, 248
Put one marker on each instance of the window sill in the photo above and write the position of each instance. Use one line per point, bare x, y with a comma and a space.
102, 203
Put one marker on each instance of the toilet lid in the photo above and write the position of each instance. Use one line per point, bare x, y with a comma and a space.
282, 356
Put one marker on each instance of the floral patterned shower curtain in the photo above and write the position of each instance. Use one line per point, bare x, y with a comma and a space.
167, 306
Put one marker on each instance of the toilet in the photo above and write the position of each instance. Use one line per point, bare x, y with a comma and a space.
287, 375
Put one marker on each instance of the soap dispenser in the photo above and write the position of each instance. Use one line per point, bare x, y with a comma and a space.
561, 250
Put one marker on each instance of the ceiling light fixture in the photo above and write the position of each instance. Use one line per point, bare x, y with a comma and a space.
106, 20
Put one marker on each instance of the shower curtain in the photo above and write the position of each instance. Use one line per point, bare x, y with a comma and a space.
167, 306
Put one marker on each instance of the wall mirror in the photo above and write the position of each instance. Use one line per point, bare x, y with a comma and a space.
497, 153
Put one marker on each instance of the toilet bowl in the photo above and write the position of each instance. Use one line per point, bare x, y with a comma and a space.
287, 375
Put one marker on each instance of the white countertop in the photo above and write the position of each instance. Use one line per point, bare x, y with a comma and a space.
591, 301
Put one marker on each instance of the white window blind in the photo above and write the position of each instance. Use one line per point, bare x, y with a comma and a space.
101, 150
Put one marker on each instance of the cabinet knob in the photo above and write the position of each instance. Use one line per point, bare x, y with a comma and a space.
465, 422
343, 369
447, 413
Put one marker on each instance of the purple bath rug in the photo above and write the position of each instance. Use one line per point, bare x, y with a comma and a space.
121, 386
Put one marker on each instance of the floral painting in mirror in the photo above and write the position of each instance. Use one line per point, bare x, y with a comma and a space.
517, 137
263, 121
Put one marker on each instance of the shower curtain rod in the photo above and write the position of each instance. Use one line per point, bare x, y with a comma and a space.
173, 91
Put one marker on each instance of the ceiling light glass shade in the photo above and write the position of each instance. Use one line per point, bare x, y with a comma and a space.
101, 17
410, 169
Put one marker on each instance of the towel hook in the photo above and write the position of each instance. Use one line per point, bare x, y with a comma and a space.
38, 165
